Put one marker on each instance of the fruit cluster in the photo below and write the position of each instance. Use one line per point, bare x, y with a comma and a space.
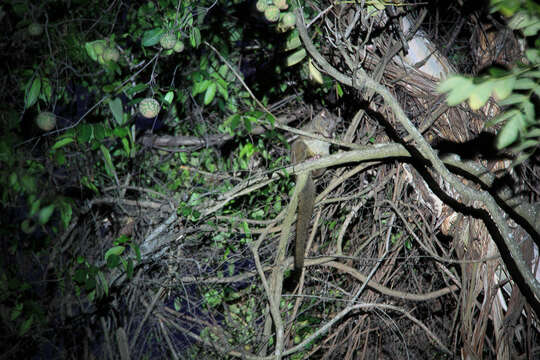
274, 10
102, 51
169, 41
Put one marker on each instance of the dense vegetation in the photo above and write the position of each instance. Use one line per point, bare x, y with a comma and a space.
145, 176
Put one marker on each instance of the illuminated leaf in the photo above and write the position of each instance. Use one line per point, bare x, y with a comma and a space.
169, 97
210, 93
314, 73
480, 95
151, 37
509, 132
45, 214
195, 37
503, 87
115, 250
32, 93
458, 95
115, 106
453, 82
62, 142
109, 167
295, 57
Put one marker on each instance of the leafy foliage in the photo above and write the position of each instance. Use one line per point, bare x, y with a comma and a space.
516, 89
86, 81
80, 84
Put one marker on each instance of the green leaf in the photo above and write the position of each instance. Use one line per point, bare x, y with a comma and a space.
86, 182
45, 214
533, 74
247, 151
532, 29
210, 93
533, 133
339, 90
121, 132
536, 90
453, 82
533, 55
524, 145
505, 7
293, 41
497, 72
32, 92
458, 95
501, 117
46, 90
509, 132
115, 106
66, 212
34, 206
527, 108
27, 226
100, 131
109, 167
377, 4
169, 96
25, 326
513, 99
60, 157
200, 87
223, 91
29, 183
524, 84
62, 142
503, 87
85, 133
314, 73
458, 87
125, 144
223, 69
115, 250
295, 57
136, 89
89, 46
195, 37
219, 79
151, 37
480, 95
520, 20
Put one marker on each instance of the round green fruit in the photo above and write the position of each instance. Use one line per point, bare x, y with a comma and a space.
261, 5
46, 121
149, 108
281, 4
288, 20
111, 54
271, 13
167, 40
35, 29
178, 46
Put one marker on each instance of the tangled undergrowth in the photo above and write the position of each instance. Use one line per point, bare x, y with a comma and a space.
142, 213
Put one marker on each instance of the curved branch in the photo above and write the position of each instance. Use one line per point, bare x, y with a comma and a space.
476, 198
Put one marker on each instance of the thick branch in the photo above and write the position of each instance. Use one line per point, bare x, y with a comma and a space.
476, 198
